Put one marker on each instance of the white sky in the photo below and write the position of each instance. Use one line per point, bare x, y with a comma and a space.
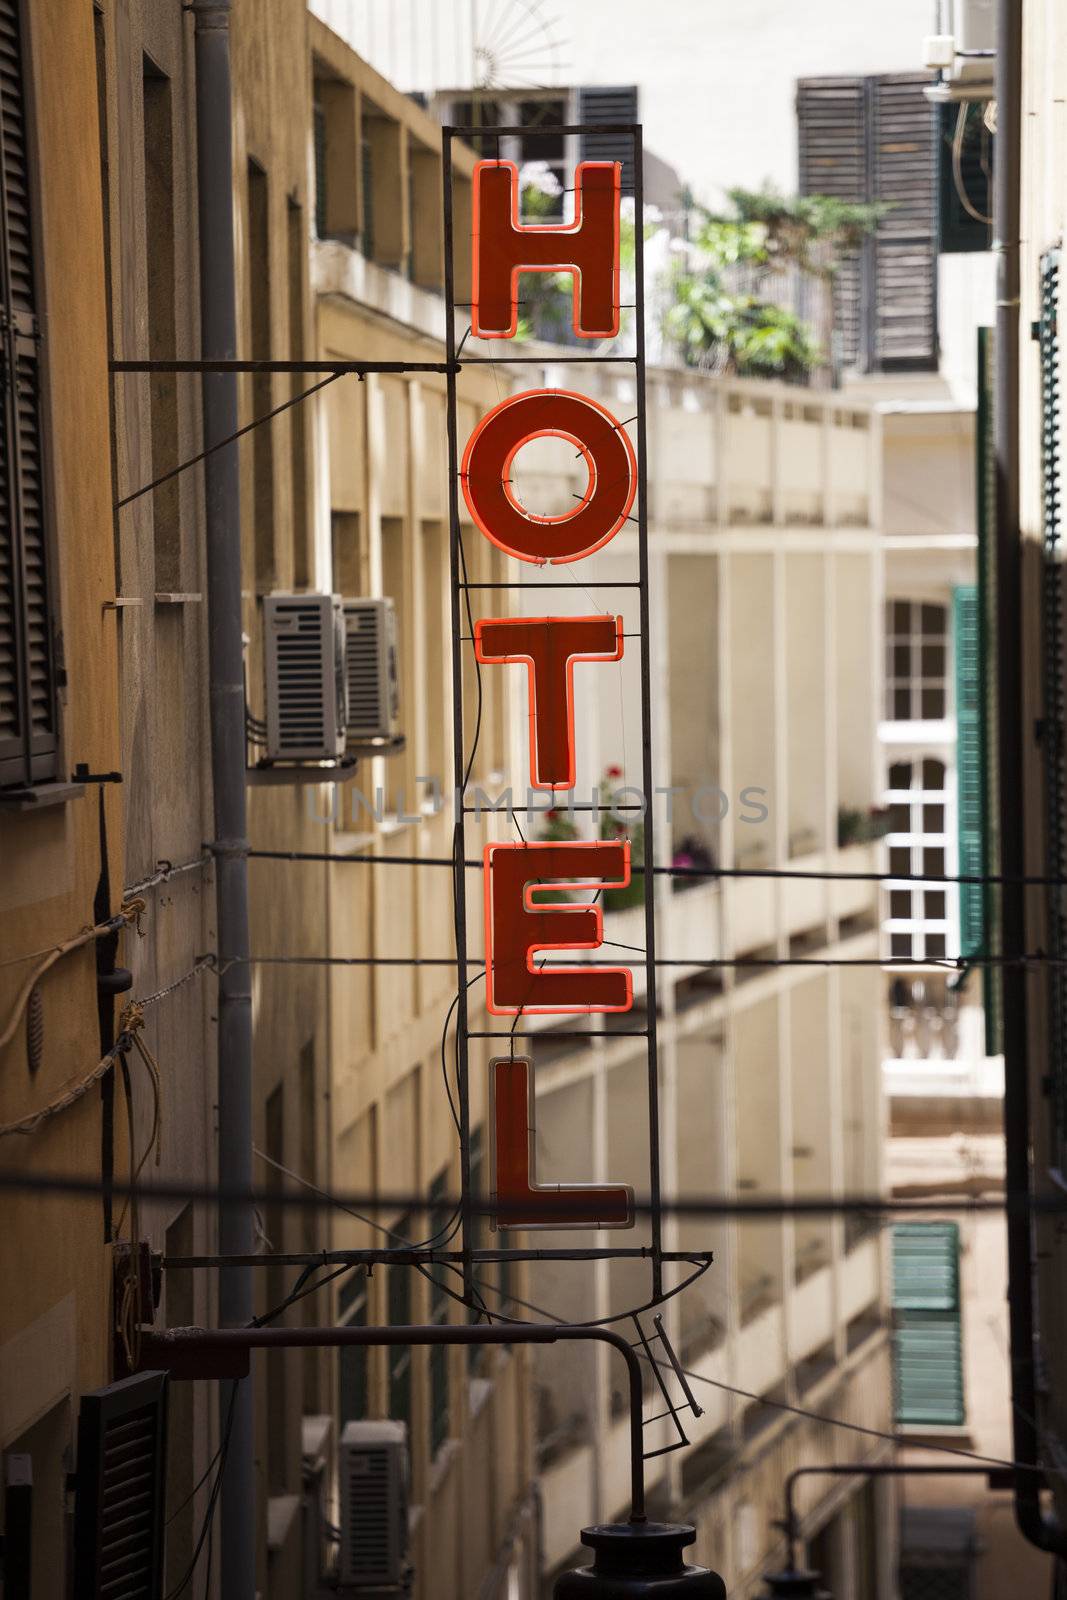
716, 76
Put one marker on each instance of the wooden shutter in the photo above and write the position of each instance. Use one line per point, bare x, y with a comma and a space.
868, 139
609, 105
119, 1511
927, 1356
28, 745
970, 768
904, 174
832, 139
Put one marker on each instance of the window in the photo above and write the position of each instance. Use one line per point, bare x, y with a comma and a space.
162, 345
440, 1417
872, 139
276, 1290
965, 177
477, 1354
28, 711
181, 1313
353, 1393
298, 428
479, 113
261, 382
544, 143
916, 669
399, 1356
927, 1356
334, 129
922, 921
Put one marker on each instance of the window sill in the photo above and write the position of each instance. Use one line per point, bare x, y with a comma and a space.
935, 1433
40, 797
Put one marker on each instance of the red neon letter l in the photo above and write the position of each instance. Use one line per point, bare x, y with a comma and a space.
523, 1202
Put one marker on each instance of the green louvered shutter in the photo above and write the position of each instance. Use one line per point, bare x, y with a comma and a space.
970, 779
927, 1354
986, 516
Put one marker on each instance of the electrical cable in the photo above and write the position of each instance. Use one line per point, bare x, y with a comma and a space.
221, 444
1035, 880
960, 963
216, 1488
957, 166
747, 1394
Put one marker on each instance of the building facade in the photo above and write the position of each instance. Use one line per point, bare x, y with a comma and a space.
62, 842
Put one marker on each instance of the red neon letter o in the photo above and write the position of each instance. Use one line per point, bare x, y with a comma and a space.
486, 472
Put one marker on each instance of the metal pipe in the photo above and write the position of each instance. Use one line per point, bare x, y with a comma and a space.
1040, 1529
875, 1206
218, 342
411, 1257
455, 564
160, 1347
225, 364
999, 1477
647, 775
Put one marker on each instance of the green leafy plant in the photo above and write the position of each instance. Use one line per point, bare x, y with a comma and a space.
749, 332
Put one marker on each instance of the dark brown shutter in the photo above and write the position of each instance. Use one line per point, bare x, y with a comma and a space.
119, 1511
609, 105
868, 139
28, 742
832, 138
904, 173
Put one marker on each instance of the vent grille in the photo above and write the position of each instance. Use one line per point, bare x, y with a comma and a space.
366, 691
374, 1510
304, 661
368, 1513
371, 669
119, 1510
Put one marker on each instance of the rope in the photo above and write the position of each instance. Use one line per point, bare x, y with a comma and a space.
130, 912
130, 1038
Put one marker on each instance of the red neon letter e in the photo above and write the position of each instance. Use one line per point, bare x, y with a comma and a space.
517, 927
549, 647
609, 461
525, 1203
588, 248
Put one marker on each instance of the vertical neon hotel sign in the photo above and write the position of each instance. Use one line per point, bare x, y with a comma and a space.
518, 928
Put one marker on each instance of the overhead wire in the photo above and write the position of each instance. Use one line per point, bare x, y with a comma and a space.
220, 444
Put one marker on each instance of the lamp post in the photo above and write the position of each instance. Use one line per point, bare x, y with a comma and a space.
635, 1559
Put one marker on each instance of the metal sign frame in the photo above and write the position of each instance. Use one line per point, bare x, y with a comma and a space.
460, 589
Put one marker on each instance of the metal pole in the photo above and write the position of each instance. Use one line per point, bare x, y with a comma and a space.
1040, 1529
647, 779
999, 1477
176, 1350
458, 755
218, 340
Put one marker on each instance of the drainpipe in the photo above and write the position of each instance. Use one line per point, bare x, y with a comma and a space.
1040, 1529
218, 337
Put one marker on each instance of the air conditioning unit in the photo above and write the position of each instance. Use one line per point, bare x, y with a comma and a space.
371, 669
963, 50
306, 687
374, 1504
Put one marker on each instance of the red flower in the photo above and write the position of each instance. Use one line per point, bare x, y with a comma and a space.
614, 772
